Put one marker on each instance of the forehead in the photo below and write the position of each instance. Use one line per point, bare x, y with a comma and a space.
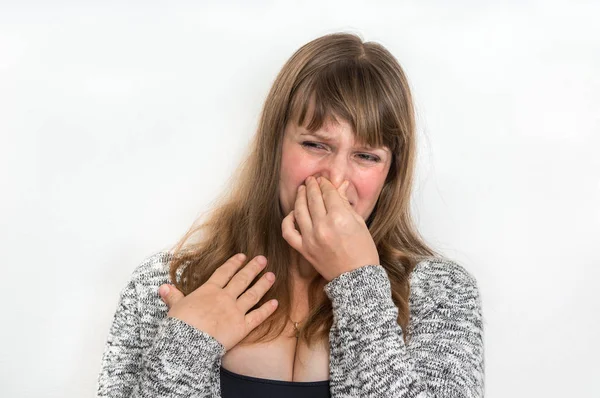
329, 120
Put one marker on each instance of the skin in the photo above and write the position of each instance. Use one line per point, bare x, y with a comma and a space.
325, 225
330, 152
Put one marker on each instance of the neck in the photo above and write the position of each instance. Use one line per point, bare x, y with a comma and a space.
301, 274
300, 269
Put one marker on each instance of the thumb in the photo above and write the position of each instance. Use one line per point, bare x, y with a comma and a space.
169, 294
342, 191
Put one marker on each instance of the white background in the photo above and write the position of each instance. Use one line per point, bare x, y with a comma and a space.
120, 124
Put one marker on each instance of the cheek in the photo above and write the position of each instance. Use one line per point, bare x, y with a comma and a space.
368, 189
295, 167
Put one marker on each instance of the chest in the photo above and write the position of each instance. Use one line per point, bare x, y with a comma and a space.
284, 358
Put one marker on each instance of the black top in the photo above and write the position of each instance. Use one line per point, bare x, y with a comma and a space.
234, 385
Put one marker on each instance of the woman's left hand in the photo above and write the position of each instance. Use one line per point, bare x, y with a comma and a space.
332, 237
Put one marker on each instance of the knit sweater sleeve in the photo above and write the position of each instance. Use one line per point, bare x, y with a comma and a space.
443, 357
177, 361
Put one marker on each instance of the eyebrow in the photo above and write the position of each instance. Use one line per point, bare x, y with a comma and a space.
319, 135
329, 138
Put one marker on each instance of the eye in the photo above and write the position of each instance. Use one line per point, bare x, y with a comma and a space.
310, 144
369, 157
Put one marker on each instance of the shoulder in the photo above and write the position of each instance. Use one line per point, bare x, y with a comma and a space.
438, 281
151, 272
440, 273
153, 269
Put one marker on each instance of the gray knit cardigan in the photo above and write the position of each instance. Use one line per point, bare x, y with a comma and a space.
148, 354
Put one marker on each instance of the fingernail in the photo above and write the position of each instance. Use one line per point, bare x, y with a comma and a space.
164, 290
270, 276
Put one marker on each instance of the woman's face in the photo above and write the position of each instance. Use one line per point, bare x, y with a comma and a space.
331, 152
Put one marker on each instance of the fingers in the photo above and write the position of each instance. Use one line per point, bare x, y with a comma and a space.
170, 294
253, 295
331, 197
242, 279
301, 214
290, 233
316, 206
342, 191
259, 315
225, 272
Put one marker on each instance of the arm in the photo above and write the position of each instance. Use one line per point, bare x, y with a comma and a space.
182, 361
444, 357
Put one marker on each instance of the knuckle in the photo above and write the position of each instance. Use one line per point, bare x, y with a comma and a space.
230, 273
256, 267
261, 288
243, 279
338, 219
252, 295
321, 232
226, 272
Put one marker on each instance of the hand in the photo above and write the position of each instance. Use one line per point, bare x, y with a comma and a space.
217, 308
332, 236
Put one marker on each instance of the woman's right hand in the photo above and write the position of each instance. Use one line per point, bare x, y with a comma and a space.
218, 307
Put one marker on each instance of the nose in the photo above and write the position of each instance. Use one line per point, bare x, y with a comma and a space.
335, 169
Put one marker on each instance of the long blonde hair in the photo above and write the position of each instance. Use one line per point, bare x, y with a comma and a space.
363, 84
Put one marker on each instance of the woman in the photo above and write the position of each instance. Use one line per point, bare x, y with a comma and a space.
309, 278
